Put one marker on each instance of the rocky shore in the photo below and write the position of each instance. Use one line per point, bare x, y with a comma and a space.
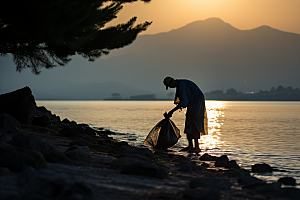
43, 157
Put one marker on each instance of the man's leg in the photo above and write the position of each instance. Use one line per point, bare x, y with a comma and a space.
190, 142
190, 146
196, 136
197, 148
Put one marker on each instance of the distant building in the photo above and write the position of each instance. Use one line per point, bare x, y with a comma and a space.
115, 96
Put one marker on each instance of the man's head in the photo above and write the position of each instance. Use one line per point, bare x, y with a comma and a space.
169, 82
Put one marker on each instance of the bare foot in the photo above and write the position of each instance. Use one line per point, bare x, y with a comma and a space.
188, 148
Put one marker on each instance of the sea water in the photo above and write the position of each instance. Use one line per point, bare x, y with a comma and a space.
248, 132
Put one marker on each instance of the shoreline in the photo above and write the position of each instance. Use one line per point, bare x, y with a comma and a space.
117, 170
43, 157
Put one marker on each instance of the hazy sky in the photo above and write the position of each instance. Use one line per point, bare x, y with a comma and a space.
166, 15
242, 14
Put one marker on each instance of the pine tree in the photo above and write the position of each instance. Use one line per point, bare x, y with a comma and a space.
46, 33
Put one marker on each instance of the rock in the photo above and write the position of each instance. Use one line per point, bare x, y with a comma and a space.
79, 155
205, 165
56, 157
207, 157
5, 137
8, 122
145, 152
75, 147
136, 156
264, 188
4, 171
122, 143
88, 130
20, 104
216, 183
261, 168
287, 181
142, 168
41, 111
123, 149
52, 185
83, 142
69, 132
66, 121
18, 159
31, 142
118, 164
83, 130
245, 177
187, 167
232, 165
222, 161
202, 194
290, 193
41, 121
248, 180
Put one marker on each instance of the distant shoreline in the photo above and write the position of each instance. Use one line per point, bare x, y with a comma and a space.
156, 100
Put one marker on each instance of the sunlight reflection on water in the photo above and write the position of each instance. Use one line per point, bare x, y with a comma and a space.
214, 114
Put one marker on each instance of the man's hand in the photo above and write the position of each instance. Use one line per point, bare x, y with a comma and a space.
168, 115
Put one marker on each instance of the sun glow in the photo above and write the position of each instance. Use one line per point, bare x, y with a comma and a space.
215, 113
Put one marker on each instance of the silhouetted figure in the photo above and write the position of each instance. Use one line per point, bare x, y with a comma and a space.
189, 96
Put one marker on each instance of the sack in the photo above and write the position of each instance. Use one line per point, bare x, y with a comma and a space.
163, 135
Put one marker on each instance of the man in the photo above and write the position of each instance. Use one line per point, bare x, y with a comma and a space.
189, 96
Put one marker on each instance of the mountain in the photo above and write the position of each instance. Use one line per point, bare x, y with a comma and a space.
216, 56
212, 53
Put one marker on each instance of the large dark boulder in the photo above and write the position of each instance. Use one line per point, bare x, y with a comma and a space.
20, 104
40, 121
79, 153
18, 159
8, 122
207, 157
142, 168
186, 166
287, 181
49, 184
261, 168
290, 193
84, 141
216, 183
264, 188
202, 194
31, 142
56, 157
41, 111
222, 161
69, 132
245, 178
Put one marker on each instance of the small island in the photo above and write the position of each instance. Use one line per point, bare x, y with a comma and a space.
274, 94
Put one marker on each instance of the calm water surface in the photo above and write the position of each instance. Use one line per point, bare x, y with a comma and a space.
248, 132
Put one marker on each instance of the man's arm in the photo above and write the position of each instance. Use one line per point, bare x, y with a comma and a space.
170, 113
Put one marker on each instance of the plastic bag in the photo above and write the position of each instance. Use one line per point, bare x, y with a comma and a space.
163, 135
